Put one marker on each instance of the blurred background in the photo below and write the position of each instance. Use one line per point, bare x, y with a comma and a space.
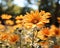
17, 7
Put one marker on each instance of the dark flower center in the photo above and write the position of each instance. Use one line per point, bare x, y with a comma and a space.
35, 21
56, 32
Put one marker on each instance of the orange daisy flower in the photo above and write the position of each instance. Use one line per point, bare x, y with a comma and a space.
57, 32
18, 21
19, 17
44, 44
37, 18
56, 46
17, 26
13, 38
46, 31
28, 25
43, 34
9, 22
5, 16
2, 27
4, 36
54, 31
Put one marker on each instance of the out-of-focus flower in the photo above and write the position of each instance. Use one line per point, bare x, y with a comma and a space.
2, 27
19, 17
4, 36
5, 16
44, 44
18, 21
43, 34
37, 18
45, 31
9, 22
13, 38
9, 37
52, 30
28, 25
17, 26
58, 18
56, 46
55, 31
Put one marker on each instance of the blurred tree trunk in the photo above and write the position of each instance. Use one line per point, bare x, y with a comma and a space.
57, 12
57, 9
0, 9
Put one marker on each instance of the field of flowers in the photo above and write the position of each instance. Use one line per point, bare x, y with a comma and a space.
29, 31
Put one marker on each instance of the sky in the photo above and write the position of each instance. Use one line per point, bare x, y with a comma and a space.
0, 1
23, 3
20, 2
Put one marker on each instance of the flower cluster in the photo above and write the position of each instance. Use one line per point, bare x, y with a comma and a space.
29, 31
9, 37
